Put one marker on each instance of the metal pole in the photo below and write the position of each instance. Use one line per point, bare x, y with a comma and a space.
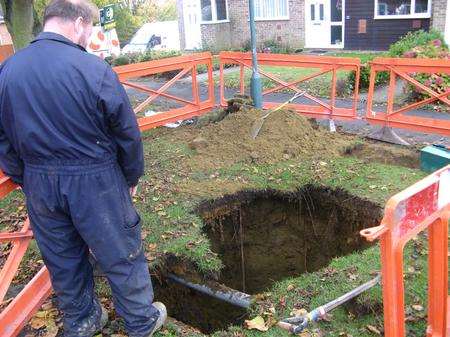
255, 85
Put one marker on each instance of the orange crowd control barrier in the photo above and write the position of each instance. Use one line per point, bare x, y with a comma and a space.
185, 65
6, 51
319, 107
405, 68
423, 206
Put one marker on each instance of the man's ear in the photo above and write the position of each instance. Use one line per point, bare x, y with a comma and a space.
79, 25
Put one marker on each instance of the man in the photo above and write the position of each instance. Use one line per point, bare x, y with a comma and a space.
69, 137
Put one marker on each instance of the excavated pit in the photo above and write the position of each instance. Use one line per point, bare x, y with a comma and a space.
266, 236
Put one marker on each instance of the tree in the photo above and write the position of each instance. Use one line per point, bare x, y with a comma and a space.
151, 11
19, 18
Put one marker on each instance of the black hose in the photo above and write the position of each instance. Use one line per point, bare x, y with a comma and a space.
228, 295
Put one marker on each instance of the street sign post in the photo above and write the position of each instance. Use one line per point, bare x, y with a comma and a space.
107, 17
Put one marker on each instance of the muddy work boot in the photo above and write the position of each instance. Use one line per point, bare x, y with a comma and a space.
161, 319
91, 325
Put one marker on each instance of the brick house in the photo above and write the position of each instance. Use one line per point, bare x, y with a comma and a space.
344, 24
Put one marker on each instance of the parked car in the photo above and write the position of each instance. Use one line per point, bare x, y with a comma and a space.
162, 35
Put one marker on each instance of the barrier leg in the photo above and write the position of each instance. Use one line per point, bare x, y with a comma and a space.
393, 288
438, 278
386, 134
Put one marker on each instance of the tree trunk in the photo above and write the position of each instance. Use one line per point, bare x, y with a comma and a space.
19, 15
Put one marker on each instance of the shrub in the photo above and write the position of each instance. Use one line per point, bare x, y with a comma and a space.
150, 55
424, 45
272, 46
416, 39
364, 79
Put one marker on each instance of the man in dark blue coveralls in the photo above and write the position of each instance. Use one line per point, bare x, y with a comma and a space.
69, 137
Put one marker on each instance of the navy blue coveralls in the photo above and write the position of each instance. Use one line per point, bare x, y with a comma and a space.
69, 137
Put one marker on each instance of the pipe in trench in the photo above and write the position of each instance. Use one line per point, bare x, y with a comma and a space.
228, 295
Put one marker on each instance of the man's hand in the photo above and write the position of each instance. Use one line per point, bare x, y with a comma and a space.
133, 191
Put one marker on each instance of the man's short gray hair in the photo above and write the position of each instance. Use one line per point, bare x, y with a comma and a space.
71, 10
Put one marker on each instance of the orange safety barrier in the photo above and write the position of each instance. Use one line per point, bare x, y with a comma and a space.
423, 206
187, 64
323, 64
404, 68
6, 51
14, 317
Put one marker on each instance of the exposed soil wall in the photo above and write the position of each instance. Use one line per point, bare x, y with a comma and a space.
266, 236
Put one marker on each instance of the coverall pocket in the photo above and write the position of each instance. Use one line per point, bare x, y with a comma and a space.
130, 216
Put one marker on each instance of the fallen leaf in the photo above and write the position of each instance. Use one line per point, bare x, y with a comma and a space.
37, 323
299, 312
256, 323
417, 307
373, 329
52, 329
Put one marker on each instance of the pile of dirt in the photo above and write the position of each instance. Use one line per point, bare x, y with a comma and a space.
285, 135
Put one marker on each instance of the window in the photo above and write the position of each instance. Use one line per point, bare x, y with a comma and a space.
214, 10
271, 9
321, 12
336, 10
402, 9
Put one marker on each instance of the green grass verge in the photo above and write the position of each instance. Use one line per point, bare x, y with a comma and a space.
170, 194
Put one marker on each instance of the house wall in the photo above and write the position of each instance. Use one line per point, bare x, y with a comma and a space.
379, 33
236, 33
439, 9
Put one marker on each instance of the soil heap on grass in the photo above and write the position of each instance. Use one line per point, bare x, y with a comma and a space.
285, 135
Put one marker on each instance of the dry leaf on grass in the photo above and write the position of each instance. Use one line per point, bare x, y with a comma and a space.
373, 329
299, 312
256, 323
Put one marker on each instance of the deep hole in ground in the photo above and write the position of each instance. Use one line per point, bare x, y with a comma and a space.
266, 236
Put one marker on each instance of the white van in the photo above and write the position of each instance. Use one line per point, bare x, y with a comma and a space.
162, 35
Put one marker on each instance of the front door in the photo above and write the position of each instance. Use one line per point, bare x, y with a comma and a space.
324, 24
192, 32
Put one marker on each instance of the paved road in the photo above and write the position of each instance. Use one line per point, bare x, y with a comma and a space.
360, 127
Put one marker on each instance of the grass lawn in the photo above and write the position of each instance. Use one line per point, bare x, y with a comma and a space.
320, 86
180, 178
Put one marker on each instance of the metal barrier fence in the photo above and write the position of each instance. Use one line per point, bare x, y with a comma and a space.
423, 206
187, 64
405, 70
14, 317
16, 314
323, 65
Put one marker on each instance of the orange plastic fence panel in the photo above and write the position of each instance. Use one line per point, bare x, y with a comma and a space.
184, 65
24, 305
323, 64
423, 206
16, 315
405, 69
